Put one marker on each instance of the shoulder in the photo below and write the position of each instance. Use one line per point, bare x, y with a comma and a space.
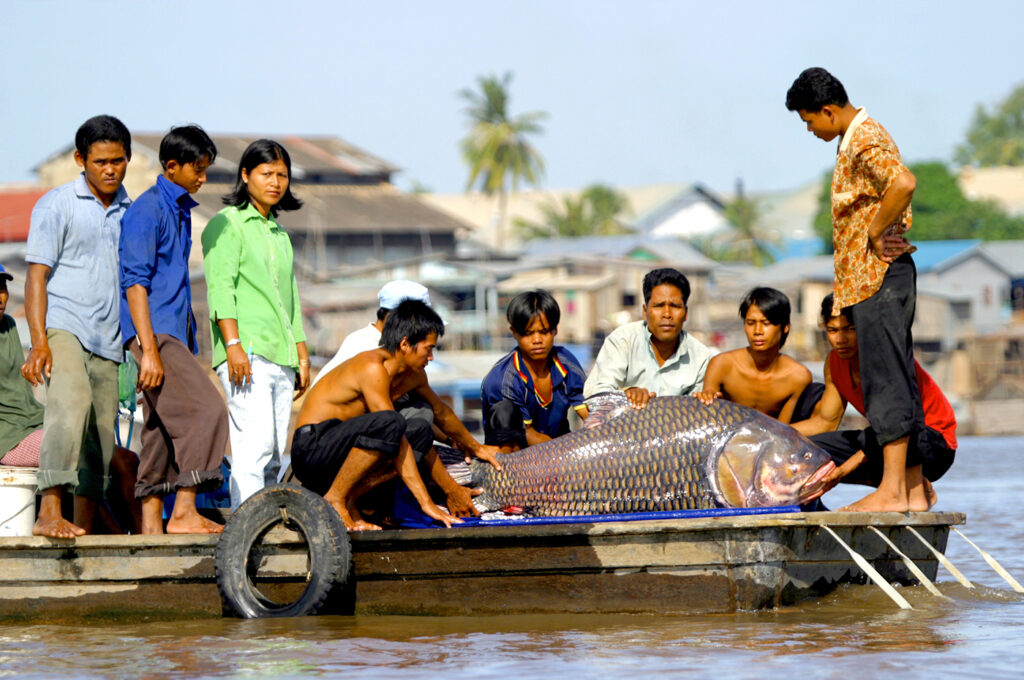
219, 223
794, 369
148, 205
7, 323
628, 333
698, 349
569, 361
496, 376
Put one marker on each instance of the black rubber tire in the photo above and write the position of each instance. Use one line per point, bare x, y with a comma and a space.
330, 554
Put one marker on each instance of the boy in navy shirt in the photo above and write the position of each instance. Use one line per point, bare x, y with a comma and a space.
186, 420
527, 395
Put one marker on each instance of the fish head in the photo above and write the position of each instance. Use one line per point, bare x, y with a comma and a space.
767, 463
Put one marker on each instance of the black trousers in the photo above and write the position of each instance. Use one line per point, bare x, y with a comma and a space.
885, 344
929, 449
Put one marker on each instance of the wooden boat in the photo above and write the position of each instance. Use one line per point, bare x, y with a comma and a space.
707, 564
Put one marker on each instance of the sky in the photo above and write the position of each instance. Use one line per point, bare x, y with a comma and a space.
637, 92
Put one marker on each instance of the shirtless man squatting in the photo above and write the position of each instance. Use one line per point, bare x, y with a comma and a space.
349, 438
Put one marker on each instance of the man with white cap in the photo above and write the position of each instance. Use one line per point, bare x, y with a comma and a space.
390, 296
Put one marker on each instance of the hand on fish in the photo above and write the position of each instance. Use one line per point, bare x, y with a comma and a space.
639, 397
706, 397
460, 501
486, 453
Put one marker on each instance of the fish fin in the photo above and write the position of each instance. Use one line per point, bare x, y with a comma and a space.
604, 407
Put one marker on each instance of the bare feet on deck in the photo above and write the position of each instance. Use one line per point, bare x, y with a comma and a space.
193, 523
56, 527
351, 517
50, 521
879, 501
922, 497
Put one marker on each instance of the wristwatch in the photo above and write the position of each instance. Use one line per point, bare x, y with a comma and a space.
234, 341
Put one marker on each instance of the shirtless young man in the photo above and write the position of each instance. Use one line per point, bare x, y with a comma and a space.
857, 453
349, 438
759, 375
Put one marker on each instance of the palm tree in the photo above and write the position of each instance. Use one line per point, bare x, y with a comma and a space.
595, 212
496, 148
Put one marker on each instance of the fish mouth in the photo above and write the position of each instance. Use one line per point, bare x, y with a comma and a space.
813, 485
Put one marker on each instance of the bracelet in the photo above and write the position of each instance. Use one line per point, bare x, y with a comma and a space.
303, 362
233, 342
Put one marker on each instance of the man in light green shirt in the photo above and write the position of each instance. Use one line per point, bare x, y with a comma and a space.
653, 357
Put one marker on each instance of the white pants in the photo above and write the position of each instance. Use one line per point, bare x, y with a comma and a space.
260, 413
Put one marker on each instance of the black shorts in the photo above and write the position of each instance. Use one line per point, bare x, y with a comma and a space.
319, 451
928, 448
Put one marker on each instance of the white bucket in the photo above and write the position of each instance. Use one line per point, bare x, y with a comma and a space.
17, 500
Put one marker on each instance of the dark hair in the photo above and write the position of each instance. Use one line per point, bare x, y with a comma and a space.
773, 304
102, 129
666, 275
259, 152
413, 320
826, 310
814, 89
382, 313
525, 307
186, 144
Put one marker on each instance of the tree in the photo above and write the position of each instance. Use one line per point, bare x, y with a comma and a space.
497, 149
996, 138
941, 210
594, 212
747, 244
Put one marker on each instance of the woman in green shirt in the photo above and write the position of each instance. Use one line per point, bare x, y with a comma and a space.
259, 347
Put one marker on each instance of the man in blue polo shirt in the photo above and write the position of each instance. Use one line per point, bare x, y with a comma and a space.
71, 303
186, 420
527, 395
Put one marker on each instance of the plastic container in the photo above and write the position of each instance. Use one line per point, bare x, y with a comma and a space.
17, 500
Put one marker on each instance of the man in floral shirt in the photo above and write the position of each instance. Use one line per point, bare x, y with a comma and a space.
875, 277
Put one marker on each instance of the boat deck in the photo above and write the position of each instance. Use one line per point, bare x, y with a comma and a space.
714, 564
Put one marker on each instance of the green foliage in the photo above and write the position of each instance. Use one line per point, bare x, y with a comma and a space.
996, 138
747, 244
497, 149
595, 212
941, 210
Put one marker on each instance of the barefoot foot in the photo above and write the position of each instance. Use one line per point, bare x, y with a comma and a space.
193, 524
878, 501
56, 527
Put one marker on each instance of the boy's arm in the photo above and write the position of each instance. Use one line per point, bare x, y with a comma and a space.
896, 184
40, 361
828, 412
450, 424
714, 377
609, 370
800, 383
151, 369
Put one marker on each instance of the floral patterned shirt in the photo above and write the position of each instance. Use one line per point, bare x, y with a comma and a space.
866, 164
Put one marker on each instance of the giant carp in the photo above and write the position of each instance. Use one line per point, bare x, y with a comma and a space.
675, 454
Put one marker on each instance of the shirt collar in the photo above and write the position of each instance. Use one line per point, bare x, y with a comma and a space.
676, 356
175, 194
861, 116
249, 212
558, 371
82, 191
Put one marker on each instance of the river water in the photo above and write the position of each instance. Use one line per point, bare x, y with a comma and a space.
856, 631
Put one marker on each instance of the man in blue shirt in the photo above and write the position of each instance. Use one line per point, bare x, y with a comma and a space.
527, 395
186, 420
71, 304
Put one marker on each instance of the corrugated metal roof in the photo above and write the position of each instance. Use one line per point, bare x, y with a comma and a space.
16, 212
312, 155
935, 254
669, 251
1009, 255
350, 208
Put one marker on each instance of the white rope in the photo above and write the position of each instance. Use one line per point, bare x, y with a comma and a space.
942, 559
992, 563
870, 571
918, 574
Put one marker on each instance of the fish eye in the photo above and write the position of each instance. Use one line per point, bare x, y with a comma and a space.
807, 456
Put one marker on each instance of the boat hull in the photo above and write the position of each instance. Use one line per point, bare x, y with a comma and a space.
677, 566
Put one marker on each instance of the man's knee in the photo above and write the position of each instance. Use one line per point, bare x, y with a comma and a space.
420, 434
